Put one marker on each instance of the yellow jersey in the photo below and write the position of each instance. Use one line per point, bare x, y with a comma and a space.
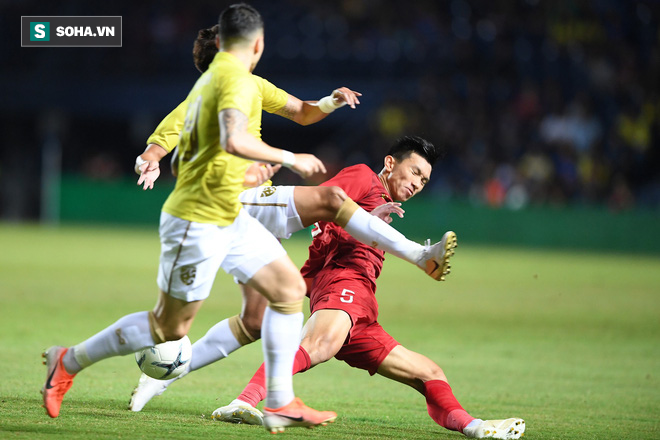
167, 133
210, 179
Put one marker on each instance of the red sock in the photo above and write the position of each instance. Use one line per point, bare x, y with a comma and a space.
443, 407
255, 391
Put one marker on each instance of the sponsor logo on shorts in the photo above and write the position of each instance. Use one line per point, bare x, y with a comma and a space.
268, 191
188, 275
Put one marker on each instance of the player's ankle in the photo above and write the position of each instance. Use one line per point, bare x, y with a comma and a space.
70, 364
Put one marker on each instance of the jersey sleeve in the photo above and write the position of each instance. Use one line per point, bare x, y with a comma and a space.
167, 133
355, 181
239, 92
273, 97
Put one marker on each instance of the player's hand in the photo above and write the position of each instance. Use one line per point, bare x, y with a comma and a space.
344, 94
307, 165
258, 173
150, 170
383, 211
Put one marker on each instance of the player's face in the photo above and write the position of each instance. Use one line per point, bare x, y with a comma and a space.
407, 177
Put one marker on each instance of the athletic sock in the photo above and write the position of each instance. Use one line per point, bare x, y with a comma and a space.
70, 363
374, 232
443, 407
473, 424
255, 391
128, 335
280, 334
216, 344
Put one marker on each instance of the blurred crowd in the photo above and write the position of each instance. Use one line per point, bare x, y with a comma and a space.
535, 101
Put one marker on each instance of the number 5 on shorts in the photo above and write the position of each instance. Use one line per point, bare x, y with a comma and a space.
347, 296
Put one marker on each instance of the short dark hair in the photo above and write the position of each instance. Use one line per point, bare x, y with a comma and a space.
407, 145
204, 49
238, 22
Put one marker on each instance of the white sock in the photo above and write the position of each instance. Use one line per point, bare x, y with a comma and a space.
374, 232
70, 363
128, 335
474, 423
216, 344
280, 334
470, 431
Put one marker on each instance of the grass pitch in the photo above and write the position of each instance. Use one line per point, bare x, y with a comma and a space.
568, 341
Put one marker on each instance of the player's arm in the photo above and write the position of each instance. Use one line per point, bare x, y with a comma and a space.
256, 175
162, 141
235, 139
259, 173
147, 165
309, 112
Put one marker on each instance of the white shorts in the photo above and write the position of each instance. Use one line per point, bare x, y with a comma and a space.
192, 253
274, 207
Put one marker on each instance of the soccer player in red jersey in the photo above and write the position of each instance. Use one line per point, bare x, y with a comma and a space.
282, 210
341, 275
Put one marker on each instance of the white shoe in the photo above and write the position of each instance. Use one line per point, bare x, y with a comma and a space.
435, 260
146, 389
500, 429
238, 412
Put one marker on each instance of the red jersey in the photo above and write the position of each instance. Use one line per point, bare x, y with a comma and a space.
332, 247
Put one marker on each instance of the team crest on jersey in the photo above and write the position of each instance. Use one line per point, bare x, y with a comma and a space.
268, 191
188, 275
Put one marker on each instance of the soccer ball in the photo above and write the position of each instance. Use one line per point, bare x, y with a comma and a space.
165, 361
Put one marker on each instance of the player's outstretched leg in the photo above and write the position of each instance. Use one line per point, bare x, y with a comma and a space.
500, 429
295, 414
238, 412
58, 381
435, 260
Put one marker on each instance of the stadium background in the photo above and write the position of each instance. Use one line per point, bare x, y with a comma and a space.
548, 108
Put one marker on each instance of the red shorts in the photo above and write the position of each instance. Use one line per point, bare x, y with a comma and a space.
368, 344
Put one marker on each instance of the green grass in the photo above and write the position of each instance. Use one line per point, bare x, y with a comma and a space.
568, 341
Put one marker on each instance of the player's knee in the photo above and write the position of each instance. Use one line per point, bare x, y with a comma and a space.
333, 197
321, 349
252, 325
325, 353
432, 372
422, 373
291, 291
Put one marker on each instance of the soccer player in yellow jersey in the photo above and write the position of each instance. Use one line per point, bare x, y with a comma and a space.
282, 209
204, 228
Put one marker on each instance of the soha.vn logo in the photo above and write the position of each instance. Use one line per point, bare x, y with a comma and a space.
39, 31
